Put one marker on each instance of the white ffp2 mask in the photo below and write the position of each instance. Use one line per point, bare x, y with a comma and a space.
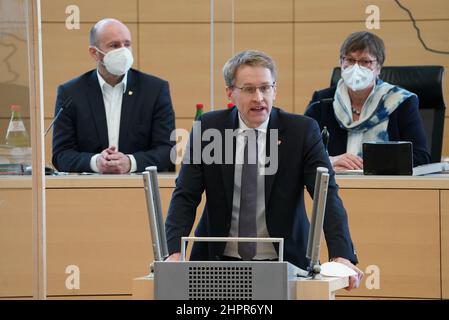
357, 78
118, 61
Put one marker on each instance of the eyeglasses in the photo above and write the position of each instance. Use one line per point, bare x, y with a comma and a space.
362, 62
264, 89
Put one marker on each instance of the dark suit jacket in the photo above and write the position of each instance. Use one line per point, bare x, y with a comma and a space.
405, 124
147, 120
300, 152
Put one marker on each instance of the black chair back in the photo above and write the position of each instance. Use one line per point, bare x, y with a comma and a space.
427, 83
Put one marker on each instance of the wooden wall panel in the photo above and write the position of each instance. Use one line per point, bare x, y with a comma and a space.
224, 10
110, 243
276, 40
66, 56
354, 10
16, 256
90, 11
109, 240
389, 236
179, 53
174, 11
224, 48
386, 236
445, 243
263, 10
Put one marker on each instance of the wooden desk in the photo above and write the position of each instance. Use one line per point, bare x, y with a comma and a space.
99, 223
395, 225
15, 237
322, 289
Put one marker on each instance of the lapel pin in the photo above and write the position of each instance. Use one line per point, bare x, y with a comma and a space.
130, 93
279, 142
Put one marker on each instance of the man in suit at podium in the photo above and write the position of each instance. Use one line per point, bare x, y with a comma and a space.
245, 199
115, 119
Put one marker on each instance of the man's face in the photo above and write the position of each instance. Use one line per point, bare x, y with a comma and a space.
254, 105
110, 36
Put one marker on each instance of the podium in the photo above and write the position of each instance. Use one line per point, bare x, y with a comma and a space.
234, 280
303, 289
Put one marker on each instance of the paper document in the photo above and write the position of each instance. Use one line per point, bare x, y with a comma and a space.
336, 269
417, 171
430, 168
350, 172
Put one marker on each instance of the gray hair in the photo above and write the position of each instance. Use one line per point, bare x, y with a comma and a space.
251, 58
93, 38
364, 40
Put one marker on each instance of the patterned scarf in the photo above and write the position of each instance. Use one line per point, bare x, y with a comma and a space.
373, 121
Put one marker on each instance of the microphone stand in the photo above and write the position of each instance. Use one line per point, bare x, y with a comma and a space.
324, 132
50, 170
66, 103
325, 137
325, 100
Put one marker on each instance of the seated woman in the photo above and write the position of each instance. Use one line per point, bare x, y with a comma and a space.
365, 108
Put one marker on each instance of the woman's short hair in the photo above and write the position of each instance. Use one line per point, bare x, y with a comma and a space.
251, 58
364, 40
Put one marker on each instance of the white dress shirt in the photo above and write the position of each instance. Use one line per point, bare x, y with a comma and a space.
112, 98
265, 250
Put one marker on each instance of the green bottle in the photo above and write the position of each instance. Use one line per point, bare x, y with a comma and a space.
199, 110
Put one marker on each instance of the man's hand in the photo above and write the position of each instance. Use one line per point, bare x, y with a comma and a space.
354, 281
102, 162
346, 161
112, 161
117, 161
174, 257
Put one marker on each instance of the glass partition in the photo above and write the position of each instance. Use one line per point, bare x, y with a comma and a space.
16, 198
91, 236
97, 227
90, 239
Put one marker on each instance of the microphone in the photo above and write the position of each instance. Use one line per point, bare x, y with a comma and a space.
66, 103
325, 100
49, 170
324, 132
325, 137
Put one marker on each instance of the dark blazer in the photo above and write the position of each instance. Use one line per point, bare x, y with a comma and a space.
405, 124
300, 152
147, 120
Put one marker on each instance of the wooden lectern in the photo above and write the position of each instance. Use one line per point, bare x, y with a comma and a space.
322, 289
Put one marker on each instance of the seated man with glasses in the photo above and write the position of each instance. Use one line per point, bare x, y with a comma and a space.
365, 108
